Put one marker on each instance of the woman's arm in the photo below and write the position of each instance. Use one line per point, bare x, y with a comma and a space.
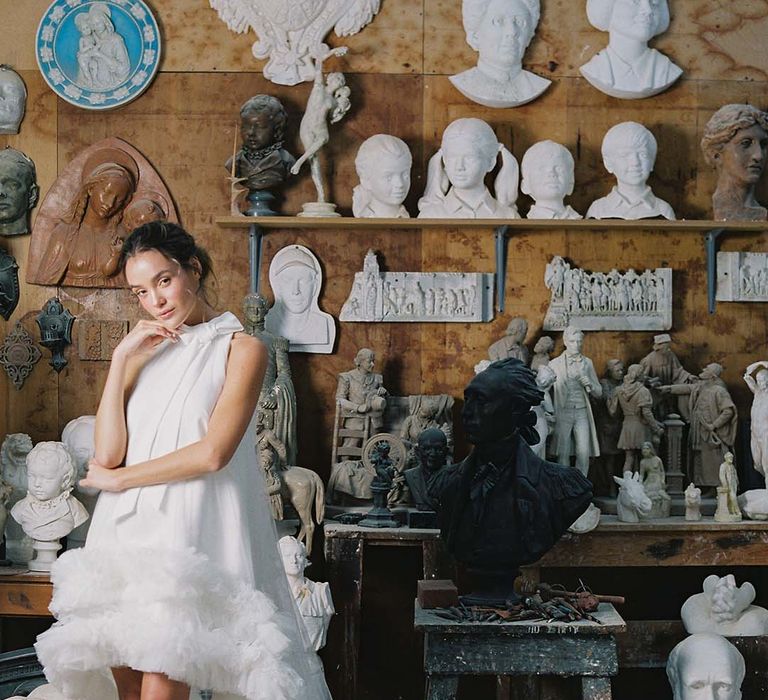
233, 411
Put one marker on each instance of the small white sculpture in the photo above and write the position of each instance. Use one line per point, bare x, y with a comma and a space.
49, 511
547, 169
481, 366
383, 164
13, 464
758, 385
296, 279
290, 34
13, 100
456, 175
545, 411
500, 31
705, 666
724, 608
587, 521
693, 502
728, 510
654, 482
542, 351
312, 598
742, 276
629, 153
102, 59
631, 502
511, 345
78, 437
627, 68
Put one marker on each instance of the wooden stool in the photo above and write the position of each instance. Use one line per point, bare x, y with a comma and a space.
585, 649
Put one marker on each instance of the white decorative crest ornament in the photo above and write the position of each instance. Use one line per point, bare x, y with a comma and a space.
291, 32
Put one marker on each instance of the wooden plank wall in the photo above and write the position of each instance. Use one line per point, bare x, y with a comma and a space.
397, 68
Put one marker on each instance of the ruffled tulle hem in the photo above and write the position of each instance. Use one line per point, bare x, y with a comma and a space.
168, 612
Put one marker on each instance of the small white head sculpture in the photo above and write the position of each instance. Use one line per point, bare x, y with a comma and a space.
78, 436
294, 556
547, 168
705, 666
296, 278
629, 153
456, 175
632, 503
383, 164
627, 68
500, 31
724, 608
13, 100
545, 377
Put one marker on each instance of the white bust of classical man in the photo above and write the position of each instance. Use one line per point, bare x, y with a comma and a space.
628, 68
383, 164
547, 168
49, 511
13, 100
725, 608
629, 153
705, 666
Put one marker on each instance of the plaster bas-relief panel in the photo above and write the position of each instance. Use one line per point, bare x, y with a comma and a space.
601, 301
454, 297
291, 35
742, 276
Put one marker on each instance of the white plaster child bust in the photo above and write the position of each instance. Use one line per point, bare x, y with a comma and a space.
547, 169
705, 666
13, 100
628, 68
500, 31
78, 436
313, 598
725, 608
456, 175
629, 153
296, 278
383, 164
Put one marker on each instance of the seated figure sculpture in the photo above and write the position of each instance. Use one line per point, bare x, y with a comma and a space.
705, 666
724, 608
629, 153
383, 164
502, 506
547, 169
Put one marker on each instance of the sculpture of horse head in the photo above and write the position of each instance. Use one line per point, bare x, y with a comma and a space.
632, 502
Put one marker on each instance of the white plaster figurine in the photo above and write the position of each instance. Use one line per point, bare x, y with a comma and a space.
692, 502
728, 510
545, 411
78, 437
548, 177
724, 608
631, 503
511, 345
500, 31
383, 164
705, 665
13, 100
456, 175
296, 278
654, 479
49, 511
102, 58
758, 385
13, 461
628, 68
312, 598
629, 153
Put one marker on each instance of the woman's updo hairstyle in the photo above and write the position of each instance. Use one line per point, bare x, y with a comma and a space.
173, 242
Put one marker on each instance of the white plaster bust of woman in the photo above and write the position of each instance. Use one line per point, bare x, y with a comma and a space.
383, 164
628, 68
456, 175
547, 169
500, 31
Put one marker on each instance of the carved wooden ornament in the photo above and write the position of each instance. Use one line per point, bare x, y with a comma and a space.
19, 355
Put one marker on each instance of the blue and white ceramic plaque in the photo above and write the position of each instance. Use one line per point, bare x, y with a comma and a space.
98, 54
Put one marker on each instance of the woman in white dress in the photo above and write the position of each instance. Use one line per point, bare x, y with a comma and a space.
180, 585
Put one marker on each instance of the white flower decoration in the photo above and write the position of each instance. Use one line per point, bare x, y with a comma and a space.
96, 98
47, 33
57, 15
57, 76
73, 91
149, 34
120, 93
149, 57
139, 78
46, 54
138, 12
73, 3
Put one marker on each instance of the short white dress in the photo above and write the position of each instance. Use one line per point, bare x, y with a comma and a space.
184, 578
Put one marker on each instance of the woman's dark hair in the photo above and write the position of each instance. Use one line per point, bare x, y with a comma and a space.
172, 241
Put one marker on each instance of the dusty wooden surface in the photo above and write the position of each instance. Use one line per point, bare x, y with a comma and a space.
25, 595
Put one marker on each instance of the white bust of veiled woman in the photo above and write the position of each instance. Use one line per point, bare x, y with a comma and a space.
629, 153
628, 68
500, 31
383, 164
705, 666
548, 178
456, 175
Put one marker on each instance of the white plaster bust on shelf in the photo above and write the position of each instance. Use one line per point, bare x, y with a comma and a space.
456, 175
383, 164
628, 68
693, 502
705, 666
500, 31
78, 436
725, 608
629, 153
296, 278
13, 100
754, 504
547, 169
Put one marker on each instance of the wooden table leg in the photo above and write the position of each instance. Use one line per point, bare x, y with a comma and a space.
596, 688
440, 687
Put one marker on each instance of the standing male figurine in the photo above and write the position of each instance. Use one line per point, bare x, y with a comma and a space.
608, 422
662, 367
727, 505
362, 391
575, 431
511, 345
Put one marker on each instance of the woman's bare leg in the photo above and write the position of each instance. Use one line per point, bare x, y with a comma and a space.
128, 683
157, 686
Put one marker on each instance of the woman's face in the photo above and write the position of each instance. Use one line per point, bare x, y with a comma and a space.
296, 287
465, 165
99, 23
504, 33
636, 19
108, 195
744, 156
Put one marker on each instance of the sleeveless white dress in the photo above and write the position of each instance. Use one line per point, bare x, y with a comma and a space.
182, 578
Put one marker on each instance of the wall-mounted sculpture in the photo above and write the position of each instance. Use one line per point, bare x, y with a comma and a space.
758, 385
601, 301
500, 31
459, 297
9, 284
291, 34
742, 276
79, 228
735, 142
13, 100
18, 191
19, 355
55, 323
383, 164
628, 68
296, 279
548, 177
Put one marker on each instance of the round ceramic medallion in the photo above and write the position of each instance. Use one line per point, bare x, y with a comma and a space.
98, 54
